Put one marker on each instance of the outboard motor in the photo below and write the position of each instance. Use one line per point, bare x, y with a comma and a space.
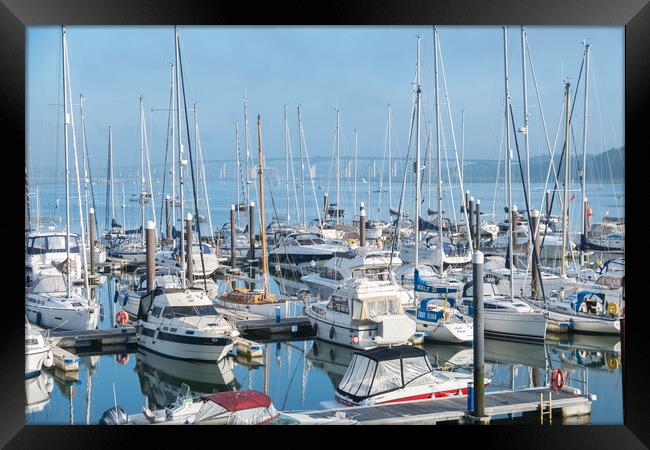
114, 416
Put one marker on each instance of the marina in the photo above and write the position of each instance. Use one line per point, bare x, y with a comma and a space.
264, 292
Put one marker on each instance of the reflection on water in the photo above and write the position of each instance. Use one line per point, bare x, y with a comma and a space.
161, 378
301, 375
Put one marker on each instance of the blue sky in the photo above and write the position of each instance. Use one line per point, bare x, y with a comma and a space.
360, 69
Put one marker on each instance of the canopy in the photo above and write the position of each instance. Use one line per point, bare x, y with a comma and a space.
385, 369
237, 408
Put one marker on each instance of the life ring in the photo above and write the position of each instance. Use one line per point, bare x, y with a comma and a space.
122, 358
612, 309
589, 212
557, 379
122, 317
332, 333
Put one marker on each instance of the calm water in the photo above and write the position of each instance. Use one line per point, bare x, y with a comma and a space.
304, 375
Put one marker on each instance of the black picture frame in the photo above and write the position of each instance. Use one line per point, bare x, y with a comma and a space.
15, 15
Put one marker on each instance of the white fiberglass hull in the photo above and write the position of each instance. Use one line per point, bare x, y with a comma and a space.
456, 333
588, 324
267, 310
62, 318
529, 326
34, 360
200, 350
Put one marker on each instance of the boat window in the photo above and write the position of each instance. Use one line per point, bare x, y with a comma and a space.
156, 311
415, 370
339, 304
358, 378
388, 377
377, 307
357, 308
37, 246
171, 312
31, 341
305, 242
58, 244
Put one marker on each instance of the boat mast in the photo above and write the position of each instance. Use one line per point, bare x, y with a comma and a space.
567, 159
180, 155
173, 164
440, 251
338, 154
286, 160
110, 164
583, 236
38, 211
141, 170
262, 226
83, 153
123, 209
417, 157
202, 172
247, 147
390, 167
508, 155
526, 116
302, 170
238, 161
356, 146
66, 120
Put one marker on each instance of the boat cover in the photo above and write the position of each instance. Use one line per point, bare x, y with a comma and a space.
241, 407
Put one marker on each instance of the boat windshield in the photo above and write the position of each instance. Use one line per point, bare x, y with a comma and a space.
171, 312
51, 244
380, 306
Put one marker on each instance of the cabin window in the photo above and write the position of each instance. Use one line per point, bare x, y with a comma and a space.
358, 378
156, 311
37, 246
171, 312
382, 306
338, 304
31, 341
389, 377
357, 308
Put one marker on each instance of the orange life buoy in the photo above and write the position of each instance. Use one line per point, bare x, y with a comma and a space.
122, 317
558, 379
589, 212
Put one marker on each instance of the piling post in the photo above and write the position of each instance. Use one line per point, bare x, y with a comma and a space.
168, 230
362, 226
470, 218
477, 232
233, 256
151, 255
534, 222
91, 239
190, 263
479, 376
251, 229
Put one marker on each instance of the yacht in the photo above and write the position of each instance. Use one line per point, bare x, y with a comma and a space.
301, 253
183, 324
505, 317
455, 254
363, 314
587, 312
202, 267
51, 303
127, 248
37, 352
355, 263
397, 374
129, 297
46, 251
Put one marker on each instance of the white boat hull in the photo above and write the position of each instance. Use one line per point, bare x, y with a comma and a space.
589, 325
62, 319
457, 333
34, 360
186, 351
515, 326
267, 310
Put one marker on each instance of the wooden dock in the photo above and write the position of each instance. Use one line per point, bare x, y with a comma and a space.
454, 409
296, 326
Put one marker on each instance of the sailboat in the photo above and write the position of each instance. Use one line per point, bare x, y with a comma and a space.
132, 249
182, 323
51, 302
256, 301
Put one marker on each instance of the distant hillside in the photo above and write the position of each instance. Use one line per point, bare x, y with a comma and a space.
606, 166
